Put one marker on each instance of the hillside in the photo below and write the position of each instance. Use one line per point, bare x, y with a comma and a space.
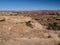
30, 27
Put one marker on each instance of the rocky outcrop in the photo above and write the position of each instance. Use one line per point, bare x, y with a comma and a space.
2, 19
22, 19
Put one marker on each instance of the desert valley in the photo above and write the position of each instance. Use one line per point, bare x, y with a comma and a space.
40, 27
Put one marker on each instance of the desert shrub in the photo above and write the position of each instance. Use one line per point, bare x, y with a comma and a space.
29, 24
53, 26
58, 43
49, 36
52, 13
58, 27
57, 13
49, 26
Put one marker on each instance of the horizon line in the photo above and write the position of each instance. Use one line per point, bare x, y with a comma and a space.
29, 10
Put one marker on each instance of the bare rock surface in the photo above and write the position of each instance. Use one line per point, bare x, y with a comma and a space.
16, 18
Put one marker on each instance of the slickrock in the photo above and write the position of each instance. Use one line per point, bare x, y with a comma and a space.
17, 18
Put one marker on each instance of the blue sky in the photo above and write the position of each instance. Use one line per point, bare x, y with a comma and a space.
29, 4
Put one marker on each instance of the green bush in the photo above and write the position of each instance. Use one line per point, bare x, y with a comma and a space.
53, 26
29, 24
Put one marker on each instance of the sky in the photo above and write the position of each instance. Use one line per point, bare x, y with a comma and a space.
22, 5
